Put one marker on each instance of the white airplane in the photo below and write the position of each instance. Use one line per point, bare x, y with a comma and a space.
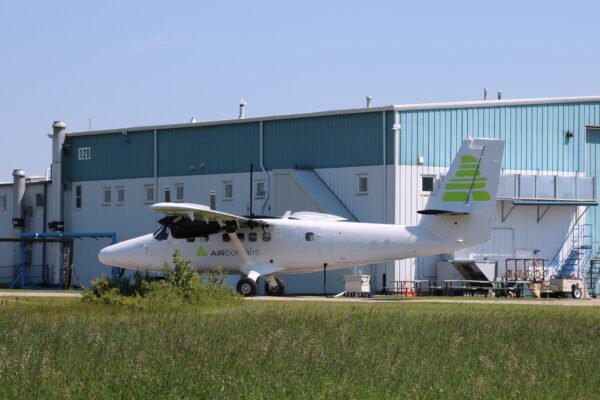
458, 215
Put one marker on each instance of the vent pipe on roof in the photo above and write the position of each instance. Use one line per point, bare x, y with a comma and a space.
499, 95
485, 94
243, 108
369, 99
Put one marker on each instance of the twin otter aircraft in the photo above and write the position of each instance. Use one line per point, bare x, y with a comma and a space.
458, 215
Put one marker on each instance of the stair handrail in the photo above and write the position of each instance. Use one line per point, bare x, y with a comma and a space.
554, 260
334, 194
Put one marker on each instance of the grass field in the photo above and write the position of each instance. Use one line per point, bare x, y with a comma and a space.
65, 348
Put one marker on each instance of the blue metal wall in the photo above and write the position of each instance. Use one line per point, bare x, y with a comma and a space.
217, 149
113, 156
534, 134
324, 142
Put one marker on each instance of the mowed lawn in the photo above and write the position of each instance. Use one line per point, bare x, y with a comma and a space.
64, 348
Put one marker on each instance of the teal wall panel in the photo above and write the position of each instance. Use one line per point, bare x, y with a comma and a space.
216, 149
534, 134
324, 142
113, 156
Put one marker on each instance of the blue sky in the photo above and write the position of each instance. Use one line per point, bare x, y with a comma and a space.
131, 63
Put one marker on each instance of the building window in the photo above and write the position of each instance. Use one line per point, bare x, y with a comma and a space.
149, 190
228, 186
260, 189
120, 195
3, 202
167, 195
179, 192
362, 184
107, 199
427, 183
78, 197
39, 200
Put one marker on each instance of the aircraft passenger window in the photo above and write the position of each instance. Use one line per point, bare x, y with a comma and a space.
191, 240
203, 239
252, 236
309, 236
226, 237
266, 236
240, 236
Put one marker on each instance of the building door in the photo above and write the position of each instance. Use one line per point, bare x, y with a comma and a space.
592, 168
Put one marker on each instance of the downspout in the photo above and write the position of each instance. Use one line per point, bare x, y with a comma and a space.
44, 227
262, 167
396, 130
155, 139
385, 190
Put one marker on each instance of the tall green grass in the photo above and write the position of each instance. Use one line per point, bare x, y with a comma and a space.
71, 349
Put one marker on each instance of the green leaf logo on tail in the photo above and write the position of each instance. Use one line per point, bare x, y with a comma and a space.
467, 181
201, 251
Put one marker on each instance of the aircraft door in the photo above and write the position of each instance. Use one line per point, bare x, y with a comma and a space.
304, 244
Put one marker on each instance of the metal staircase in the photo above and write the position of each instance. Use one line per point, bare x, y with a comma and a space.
572, 258
592, 275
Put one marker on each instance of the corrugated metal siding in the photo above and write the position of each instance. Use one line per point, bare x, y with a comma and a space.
113, 156
535, 134
324, 142
208, 149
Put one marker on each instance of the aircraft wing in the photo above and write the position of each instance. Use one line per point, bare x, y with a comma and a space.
196, 211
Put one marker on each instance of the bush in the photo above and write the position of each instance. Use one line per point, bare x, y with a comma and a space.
181, 286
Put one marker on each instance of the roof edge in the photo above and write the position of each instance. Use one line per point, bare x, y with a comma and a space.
402, 107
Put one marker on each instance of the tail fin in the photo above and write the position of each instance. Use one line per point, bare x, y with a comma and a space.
463, 207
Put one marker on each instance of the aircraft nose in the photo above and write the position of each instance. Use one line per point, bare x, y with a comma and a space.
115, 255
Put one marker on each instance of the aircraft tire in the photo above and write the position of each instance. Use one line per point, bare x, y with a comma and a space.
576, 293
277, 292
246, 287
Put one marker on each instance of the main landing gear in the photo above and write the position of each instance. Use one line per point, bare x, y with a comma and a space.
273, 287
277, 290
246, 287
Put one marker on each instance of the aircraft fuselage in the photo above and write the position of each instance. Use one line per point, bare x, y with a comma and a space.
297, 246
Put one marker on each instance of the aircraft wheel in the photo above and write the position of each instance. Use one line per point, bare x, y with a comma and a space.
246, 287
279, 291
576, 293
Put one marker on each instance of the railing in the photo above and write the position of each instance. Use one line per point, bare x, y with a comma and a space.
525, 269
575, 250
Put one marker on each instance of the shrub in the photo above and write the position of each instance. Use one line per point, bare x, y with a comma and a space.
181, 286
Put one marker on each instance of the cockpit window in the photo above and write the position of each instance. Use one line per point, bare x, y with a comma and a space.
161, 233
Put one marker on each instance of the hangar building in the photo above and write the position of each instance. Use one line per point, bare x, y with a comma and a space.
370, 165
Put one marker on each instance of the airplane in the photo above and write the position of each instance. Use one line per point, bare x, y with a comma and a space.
458, 215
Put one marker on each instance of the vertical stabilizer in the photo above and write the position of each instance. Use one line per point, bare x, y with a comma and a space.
463, 207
